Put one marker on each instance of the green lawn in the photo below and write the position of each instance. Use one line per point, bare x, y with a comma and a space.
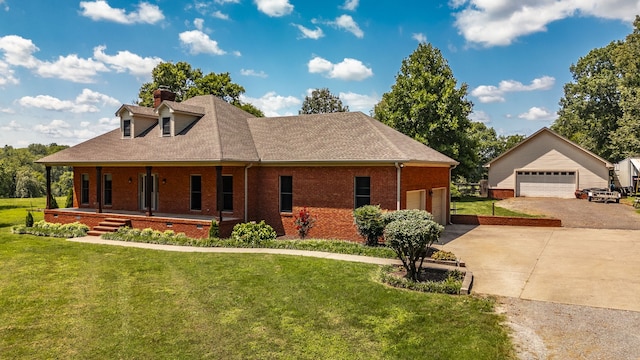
68, 300
471, 205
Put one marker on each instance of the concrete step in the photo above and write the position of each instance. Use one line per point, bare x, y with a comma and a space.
106, 228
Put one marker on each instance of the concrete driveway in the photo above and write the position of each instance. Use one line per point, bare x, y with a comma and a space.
592, 267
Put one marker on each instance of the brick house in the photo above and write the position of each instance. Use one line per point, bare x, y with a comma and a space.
179, 165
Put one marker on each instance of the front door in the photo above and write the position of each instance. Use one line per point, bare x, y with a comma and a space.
142, 185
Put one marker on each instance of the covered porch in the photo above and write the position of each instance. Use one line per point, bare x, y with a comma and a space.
193, 225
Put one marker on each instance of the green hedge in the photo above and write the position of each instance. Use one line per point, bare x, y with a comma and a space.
451, 285
43, 228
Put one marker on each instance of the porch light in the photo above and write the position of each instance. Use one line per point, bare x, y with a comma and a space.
164, 181
130, 179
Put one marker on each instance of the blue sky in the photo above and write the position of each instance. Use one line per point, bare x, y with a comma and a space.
67, 66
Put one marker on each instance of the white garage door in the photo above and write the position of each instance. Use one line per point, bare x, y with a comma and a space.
560, 184
438, 206
416, 199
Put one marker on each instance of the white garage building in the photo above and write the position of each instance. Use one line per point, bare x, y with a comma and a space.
546, 164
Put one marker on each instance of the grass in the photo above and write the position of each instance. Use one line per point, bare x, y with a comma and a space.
471, 205
70, 300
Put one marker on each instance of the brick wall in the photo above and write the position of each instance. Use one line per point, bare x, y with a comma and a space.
504, 220
501, 193
424, 178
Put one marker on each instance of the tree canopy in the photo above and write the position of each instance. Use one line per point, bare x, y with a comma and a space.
489, 145
600, 109
187, 82
322, 101
426, 104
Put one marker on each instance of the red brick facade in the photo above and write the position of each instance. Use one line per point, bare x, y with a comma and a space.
500, 194
504, 220
327, 191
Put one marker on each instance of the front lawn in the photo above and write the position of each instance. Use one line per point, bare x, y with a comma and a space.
70, 300
472, 205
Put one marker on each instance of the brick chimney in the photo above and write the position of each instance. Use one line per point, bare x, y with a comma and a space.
162, 94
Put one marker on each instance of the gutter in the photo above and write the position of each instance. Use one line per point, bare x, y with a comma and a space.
399, 167
449, 187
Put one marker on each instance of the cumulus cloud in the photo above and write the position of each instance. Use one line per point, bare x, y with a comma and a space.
199, 43
359, 102
220, 15
347, 23
480, 116
500, 22
71, 68
308, 33
19, 51
86, 102
7, 75
251, 72
536, 113
101, 10
348, 69
273, 104
350, 5
490, 93
126, 61
274, 8
419, 37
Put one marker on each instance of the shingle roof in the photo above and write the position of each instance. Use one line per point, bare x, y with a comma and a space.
226, 133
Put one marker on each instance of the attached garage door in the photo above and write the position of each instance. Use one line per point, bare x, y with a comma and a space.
439, 206
560, 184
416, 199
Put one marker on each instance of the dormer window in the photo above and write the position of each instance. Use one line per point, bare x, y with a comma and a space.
166, 126
126, 128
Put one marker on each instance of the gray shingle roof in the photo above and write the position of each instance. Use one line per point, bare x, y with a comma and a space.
226, 133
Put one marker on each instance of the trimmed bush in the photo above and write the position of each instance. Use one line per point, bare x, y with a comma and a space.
53, 203
407, 215
214, 229
410, 240
43, 228
28, 221
69, 201
253, 233
370, 223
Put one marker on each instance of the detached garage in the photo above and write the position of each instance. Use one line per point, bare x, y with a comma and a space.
546, 165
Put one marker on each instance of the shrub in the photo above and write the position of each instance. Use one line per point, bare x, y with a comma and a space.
450, 285
407, 215
214, 229
410, 240
53, 203
43, 228
444, 255
369, 221
253, 233
28, 221
69, 202
304, 222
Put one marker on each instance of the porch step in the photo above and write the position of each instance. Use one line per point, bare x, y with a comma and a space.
109, 225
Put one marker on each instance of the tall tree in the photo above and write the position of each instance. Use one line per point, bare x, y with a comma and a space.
426, 104
187, 82
590, 108
322, 101
490, 145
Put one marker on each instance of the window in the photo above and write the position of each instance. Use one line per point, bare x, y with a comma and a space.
166, 126
196, 192
363, 191
286, 194
126, 128
227, 193
108, 190
84, 189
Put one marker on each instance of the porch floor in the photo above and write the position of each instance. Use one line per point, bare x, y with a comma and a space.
141, 214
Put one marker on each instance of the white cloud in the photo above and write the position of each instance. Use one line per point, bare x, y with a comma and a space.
6, 75
127, 61
12, 126
84, 103
19, 51
71, 68
536, 113
101, 10
220, 15
310, 34
480, 116
198, 23
500, 22
490, 93
7, 111
419, 37
222, 2
273, 104
6, 7
274, 8
359, 102
251, 72
61, 129
199, 42
348, 69
350, 5
347, 23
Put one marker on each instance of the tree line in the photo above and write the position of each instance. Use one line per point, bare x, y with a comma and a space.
21, 177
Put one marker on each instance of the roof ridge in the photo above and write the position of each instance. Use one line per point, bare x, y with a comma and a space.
369, 120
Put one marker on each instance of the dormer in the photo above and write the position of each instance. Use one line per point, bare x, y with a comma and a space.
135, 120
174, 117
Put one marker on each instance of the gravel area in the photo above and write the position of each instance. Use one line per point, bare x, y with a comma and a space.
578, 213
544, 330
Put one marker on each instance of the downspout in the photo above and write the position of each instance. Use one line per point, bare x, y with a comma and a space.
449, 187
398, 178
246, 195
